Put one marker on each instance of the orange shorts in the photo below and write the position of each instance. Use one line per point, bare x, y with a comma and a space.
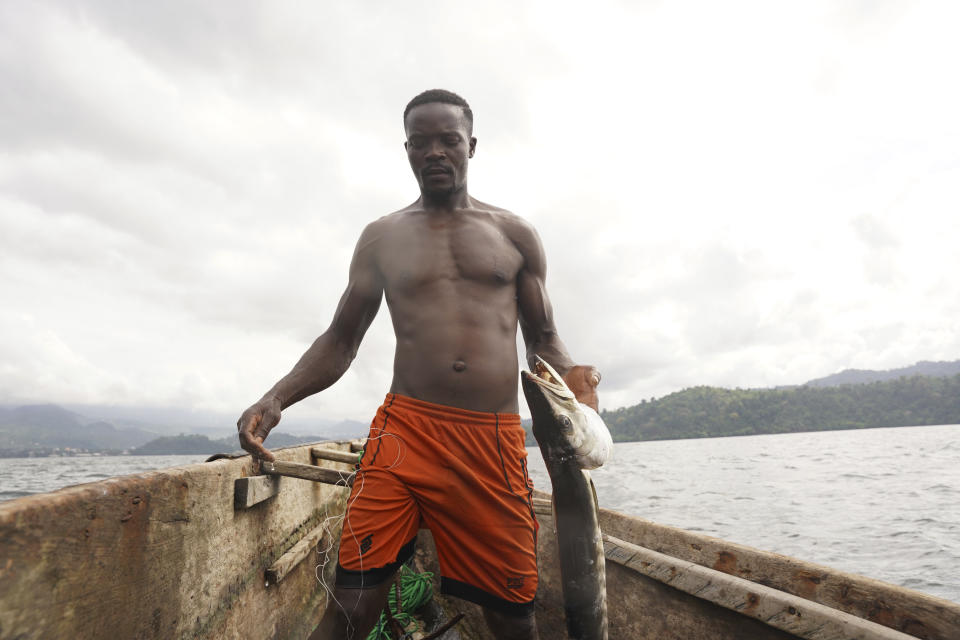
463, 475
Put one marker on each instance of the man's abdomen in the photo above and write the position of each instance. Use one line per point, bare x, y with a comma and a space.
463, 354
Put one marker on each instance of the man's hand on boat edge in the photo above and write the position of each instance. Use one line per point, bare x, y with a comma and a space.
253, 427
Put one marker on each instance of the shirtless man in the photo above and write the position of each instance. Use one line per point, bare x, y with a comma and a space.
446, 449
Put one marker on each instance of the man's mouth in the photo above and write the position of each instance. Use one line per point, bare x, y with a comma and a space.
435, 171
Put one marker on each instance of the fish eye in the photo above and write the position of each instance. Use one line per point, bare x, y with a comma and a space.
565, 422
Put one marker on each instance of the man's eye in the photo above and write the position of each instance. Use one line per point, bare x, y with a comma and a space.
416, 143
452, 140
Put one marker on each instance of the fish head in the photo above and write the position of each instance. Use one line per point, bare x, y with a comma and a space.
563, 427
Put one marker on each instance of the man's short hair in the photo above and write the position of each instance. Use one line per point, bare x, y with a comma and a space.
444, 96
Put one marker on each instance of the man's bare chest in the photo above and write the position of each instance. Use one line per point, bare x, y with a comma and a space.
421, 255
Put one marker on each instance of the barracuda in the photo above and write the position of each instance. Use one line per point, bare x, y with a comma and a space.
573, 439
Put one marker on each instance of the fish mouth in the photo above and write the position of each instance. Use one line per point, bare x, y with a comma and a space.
547, 378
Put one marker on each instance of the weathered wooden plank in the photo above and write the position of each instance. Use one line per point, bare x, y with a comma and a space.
161, 555
790, 613
307, 472
358, 445
542, 507
918, 614
335, 455
286, 563
254, 490
640, 608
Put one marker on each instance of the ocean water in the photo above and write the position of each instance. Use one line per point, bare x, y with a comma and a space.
26, 476
884, 503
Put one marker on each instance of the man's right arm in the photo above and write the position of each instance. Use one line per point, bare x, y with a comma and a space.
536, 319
330, 355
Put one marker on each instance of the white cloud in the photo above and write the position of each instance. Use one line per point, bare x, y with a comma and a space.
745, 194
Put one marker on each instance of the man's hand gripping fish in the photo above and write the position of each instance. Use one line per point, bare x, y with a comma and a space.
572, 439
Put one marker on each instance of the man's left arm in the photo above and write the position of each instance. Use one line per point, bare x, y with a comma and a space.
537, 324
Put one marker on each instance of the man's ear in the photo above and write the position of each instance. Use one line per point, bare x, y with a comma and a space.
473, 147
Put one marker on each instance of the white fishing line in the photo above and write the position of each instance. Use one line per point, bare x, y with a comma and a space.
326, 553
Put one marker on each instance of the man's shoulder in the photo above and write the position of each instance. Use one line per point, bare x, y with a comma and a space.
517, 229
386, 222
507, 220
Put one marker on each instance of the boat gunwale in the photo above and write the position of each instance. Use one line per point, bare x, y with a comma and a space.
918, 614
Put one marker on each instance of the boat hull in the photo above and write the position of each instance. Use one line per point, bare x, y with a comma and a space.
207, 551
163, 555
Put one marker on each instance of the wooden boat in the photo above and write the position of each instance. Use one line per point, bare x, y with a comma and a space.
209, 551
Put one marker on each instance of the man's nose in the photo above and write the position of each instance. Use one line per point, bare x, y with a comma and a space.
435, 150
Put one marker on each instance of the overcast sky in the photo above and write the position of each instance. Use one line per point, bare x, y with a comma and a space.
741, 194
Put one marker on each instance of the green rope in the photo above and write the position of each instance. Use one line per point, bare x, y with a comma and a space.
416, 589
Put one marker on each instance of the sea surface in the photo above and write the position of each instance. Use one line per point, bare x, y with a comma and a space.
26, 476
884, 503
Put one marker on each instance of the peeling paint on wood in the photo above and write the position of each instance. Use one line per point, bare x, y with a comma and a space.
162, 555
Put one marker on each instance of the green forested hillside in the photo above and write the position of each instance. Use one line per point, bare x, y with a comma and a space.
193, 443
709, 412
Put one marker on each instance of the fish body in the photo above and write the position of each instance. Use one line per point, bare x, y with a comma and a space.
573, 439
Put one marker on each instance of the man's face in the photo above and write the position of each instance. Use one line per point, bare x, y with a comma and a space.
439, 146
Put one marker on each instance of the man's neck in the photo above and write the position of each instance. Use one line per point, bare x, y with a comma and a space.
451, 201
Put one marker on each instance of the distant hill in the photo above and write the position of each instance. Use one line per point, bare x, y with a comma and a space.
213, 424
184, 444
52, 426
46, 429
703, 412
865, 376
924, 393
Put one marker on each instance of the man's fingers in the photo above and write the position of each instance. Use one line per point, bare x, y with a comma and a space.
257, 451
254, 426
264, 454
588, 373
583, 380
248, 421
255, 446
266, 422
594, 376
252, 433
